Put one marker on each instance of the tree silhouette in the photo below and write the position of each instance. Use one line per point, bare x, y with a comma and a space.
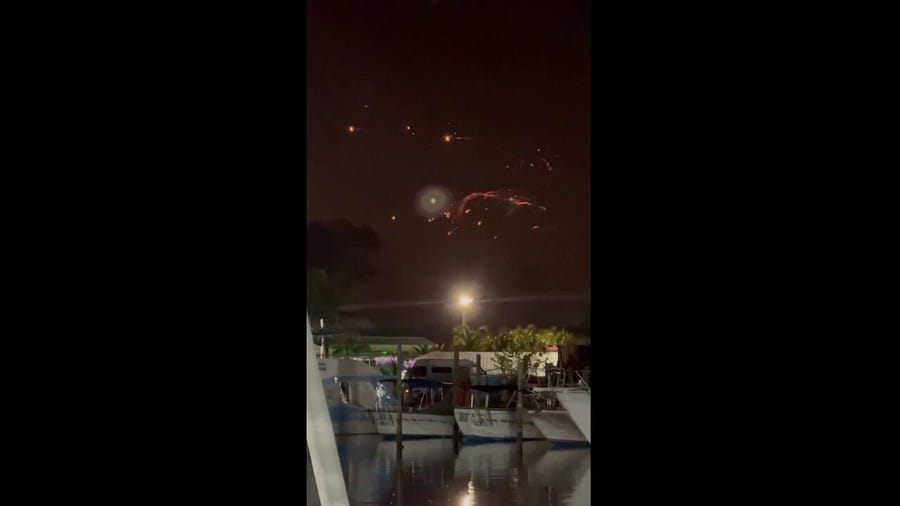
341, 247
339, 255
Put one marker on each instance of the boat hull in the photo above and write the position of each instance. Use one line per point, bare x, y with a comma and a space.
578, 403
494, 424
349, 420
415, 424
463, 421
558, 426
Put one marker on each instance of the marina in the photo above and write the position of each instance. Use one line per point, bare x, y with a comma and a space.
448, 253
362, 401
423, 463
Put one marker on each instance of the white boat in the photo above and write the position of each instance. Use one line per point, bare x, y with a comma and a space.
350, 392
426, 410
323, 460
414, 424
577, 401
557, 426
463, 421
494, 423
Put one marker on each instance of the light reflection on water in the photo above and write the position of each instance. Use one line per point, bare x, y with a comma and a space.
435, 471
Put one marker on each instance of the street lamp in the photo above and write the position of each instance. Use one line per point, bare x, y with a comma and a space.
464, 301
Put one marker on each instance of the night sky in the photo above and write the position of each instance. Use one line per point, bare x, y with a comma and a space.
510, 83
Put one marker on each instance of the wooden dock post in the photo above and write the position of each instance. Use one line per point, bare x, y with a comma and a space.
455, 395
478, 368
399, 400
520, 403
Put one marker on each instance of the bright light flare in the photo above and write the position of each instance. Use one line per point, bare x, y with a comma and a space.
351, 129
433, 201
465, 300
448, 138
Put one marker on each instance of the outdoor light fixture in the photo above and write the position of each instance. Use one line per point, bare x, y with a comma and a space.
465, 300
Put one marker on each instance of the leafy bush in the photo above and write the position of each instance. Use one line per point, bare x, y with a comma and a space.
521, 345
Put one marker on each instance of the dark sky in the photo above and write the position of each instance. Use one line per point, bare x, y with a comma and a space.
507, 78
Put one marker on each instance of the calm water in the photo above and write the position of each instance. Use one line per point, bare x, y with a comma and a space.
433, 471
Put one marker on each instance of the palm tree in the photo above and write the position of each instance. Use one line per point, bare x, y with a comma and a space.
420, 350
468, 340
521, 345
498, 341
348, 347
526, 339
556, 337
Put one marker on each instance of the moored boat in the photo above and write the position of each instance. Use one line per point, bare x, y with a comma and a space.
576, 401
350, 392
557, 426
426, 409
496, 422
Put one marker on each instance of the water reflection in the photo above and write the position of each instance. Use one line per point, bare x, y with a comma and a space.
431, 471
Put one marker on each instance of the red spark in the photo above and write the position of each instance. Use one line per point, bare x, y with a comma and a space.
507, 200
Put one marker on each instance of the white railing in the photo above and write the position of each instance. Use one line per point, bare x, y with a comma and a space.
582, 382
